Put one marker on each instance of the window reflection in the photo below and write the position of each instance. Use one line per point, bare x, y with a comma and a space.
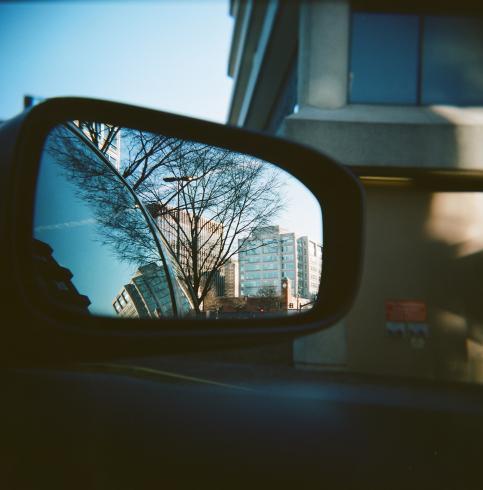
416, 59
229, 235
384, 58
93, 226
452, 61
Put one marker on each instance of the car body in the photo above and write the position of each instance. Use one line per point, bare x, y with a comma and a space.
122, 410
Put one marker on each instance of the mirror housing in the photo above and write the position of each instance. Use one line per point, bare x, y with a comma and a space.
36, 329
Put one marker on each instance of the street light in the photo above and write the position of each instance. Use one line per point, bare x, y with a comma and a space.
178, 180
183, 178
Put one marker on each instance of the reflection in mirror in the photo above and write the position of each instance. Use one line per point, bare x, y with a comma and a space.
199, 230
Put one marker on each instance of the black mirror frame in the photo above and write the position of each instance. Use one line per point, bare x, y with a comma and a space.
21, 141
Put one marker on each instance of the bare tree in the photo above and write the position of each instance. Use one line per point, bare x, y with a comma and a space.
270, 298
102, 135
120, 224
119, 219
147, 159
219, 198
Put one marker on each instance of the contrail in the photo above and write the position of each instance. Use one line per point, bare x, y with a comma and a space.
67, 224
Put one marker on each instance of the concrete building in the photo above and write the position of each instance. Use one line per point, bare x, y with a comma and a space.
272, 304
230, 273
104, 132
178, 237
385, 88
100, 130
113, 152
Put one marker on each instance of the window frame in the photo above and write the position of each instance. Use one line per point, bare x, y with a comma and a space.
422, 15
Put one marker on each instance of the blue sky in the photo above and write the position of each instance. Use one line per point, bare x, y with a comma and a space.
168, 55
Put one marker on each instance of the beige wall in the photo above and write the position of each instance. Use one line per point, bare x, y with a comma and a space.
423, 246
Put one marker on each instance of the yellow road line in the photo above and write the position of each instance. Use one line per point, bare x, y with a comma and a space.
140, 370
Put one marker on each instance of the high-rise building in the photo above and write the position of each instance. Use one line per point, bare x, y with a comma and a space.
113, 151
178, 229
309, 267
146, 296
262, 262
272, 254
130, 304
230, 278
99, 133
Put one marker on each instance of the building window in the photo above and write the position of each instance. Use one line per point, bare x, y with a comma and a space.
286, 98
414, 59
384, 58
452, 70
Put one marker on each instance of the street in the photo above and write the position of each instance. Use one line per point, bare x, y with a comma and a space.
288, 381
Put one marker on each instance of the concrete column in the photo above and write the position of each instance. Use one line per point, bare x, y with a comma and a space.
324, 53
326, 349
322, 82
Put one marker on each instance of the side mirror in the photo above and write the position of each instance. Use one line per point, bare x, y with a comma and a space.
132, 225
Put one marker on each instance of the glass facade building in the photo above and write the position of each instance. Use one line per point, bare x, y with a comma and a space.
148, 295
264, 258
271, 254
309, 267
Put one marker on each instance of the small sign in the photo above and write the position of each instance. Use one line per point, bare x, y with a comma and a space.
418, 329
395, 328
407, 318
405, 311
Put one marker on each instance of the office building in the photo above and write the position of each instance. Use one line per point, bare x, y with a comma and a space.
146, 296
93, 131
389, 87
272, 254
112, 151
230, 274
309, 266
266, 256
179, 238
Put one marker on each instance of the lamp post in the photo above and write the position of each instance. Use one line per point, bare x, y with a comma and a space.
178, 180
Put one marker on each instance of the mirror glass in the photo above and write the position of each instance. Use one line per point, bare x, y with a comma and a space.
132, 224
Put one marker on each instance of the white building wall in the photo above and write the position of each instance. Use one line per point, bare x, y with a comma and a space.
274, 254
